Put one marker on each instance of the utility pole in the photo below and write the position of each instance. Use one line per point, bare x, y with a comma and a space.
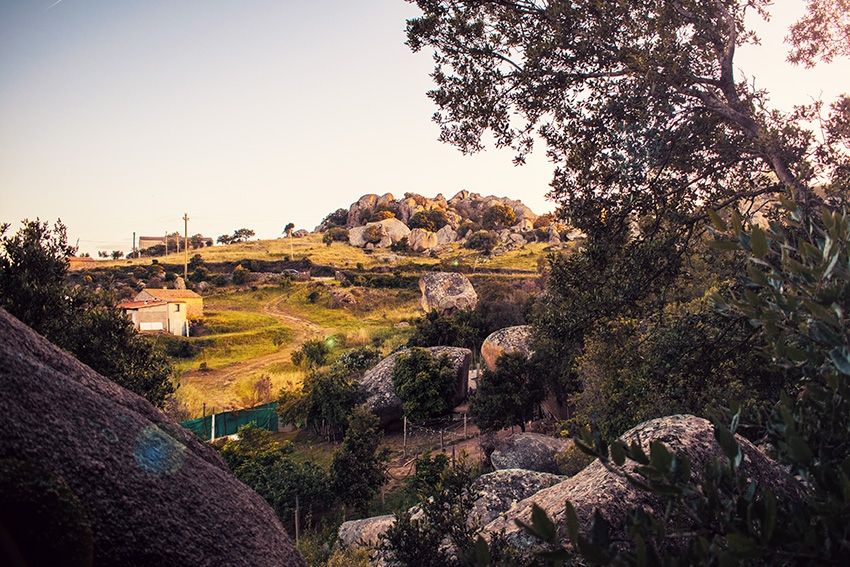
185, 246
166, 244
134, 244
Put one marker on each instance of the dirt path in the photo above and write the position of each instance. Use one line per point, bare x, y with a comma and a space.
222, 379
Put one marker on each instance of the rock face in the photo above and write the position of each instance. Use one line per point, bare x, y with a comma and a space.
446, 235
497, 492
446, 292
364, 533
507, 340
392, 231
421, 240
596, 488
91, 473
501, 489
378, 382
530, 451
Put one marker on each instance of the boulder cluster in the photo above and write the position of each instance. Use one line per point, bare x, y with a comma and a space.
431, 224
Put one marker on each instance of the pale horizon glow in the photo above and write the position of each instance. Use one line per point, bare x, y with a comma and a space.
118, 117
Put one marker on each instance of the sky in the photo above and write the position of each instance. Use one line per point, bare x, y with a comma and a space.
119, 116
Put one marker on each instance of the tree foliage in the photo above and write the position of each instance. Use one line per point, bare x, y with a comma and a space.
432, 220
508, 396
358, 468
498, 216
34, 288
425, 383
271, 470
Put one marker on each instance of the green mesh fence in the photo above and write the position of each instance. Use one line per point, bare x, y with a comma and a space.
229, 422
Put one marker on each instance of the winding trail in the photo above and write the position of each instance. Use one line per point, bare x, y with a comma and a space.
221, 379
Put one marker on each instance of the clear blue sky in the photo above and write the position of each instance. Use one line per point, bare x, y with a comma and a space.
119, 115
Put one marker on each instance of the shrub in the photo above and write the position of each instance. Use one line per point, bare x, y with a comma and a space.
543, 221
312, 354
335, 234
240, 275
483, 241
200, 274
467, 227
357, 360
424, 383
338, 218
498, 217
196, 261
373, 234
401, 246
432, 220
572, 460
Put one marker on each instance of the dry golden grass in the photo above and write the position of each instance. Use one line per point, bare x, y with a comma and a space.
341, 255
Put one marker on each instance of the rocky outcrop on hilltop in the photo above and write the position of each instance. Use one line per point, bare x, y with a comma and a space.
530, 451
92, 474
378, 382
432, 224
447, 292
596, 488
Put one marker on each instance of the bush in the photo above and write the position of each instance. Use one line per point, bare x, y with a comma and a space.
498, 217
401, 246
483, 241
543, 221
357, 360
335, 234
467, 227
373, 234
572, 460
425, 383
432, 220
240, 275
338, 218
196, 261
200, 274
312, 354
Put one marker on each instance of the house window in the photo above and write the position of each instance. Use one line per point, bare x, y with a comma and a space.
178, 307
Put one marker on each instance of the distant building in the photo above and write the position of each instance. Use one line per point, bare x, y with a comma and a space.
193, 301
158, 316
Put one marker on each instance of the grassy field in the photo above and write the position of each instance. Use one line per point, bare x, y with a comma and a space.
249, 334
345, 256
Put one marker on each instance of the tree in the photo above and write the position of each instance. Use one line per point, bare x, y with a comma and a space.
324, 403
33, 288
637, 103
241, 235
425, 383
287, 230
270, 469
338, 218
822, 34
509, 395
498, 217
358, 469
117, 254
225, 239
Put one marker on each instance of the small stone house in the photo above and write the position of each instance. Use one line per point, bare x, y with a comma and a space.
157, 316
194, 302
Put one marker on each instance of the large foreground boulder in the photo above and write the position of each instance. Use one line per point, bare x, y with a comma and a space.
92, 474
447, 292
378, 382
597, 488
507, 340
530, 451
391, 231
